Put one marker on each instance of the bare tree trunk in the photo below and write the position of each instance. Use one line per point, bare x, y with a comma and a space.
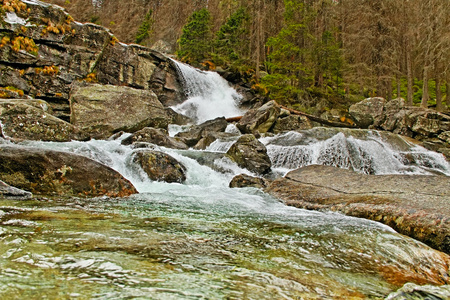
399, 86
425, 93
258, 42
389, 90
439, 105
410, 79
447, 93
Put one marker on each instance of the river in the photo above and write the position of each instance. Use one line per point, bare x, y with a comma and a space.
199, 240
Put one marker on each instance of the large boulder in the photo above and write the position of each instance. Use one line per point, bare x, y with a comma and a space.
30, 120
160, 166
251, 154
157, 136
291, 123
197, 132
142, 68
414, 205
47, 172
260, 119
102, 110
367, 112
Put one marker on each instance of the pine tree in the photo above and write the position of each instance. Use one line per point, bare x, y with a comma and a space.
195, 41
288, 73
230, 45
146, 28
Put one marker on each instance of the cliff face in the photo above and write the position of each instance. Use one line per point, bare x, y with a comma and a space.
44, 53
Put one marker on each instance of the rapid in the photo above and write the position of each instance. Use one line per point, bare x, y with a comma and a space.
204, 240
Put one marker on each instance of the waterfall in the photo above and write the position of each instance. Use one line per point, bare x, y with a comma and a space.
209, 95
376, 153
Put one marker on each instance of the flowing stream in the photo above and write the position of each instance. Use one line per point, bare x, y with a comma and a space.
198, 240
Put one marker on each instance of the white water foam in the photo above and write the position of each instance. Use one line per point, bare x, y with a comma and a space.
209, 95
372, 155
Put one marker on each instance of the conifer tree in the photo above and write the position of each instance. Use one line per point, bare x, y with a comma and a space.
146, 28
195, 41
230, 44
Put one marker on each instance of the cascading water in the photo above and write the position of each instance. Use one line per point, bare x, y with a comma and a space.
199, 239
209, 95
368, 152
204, 240
371, 152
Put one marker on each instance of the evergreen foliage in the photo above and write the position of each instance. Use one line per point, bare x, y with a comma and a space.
288, 68
146, 28
195, 41
231, 44
304, 60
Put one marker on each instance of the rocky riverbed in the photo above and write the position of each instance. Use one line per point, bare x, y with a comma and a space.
69, 81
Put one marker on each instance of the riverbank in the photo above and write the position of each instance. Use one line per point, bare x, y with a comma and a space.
414, 205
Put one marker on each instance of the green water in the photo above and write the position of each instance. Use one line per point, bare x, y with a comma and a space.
197, 240
165, 246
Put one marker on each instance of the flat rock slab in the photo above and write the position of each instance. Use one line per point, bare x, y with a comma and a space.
414, 205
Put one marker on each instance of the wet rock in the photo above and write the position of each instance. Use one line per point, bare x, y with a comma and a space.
244, 180
251, 154
413, 205
141, 68
157, 136
47, 172
211, 137
445, 136
11, 77
434, 144
204, 142
9, 192
260, 119
102, 110
411, 291
29, 120
197, 132
291, 123
57, 52
176, 118
389, 120
209, 159
367, 112
160, 166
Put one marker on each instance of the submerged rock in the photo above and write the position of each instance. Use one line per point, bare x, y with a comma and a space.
251, 154
414, 205
48, 172
30, 119
160, 166
102, 110
9, 192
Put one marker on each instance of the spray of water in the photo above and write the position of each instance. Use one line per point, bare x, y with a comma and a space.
369, 155
209, 95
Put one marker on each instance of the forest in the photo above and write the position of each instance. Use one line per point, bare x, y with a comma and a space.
307, 54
